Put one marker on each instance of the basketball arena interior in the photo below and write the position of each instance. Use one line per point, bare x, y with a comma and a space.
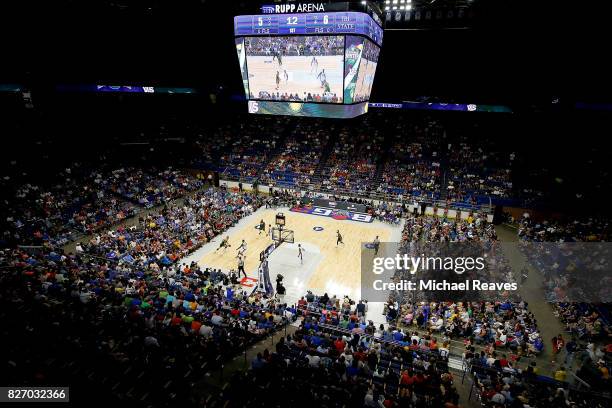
390, 203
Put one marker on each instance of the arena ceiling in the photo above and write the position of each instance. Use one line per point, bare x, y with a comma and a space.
510, 50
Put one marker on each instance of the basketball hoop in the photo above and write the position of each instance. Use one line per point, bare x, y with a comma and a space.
280, 220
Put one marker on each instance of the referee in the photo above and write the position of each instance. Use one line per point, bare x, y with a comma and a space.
301, 253
376, 245
241, 266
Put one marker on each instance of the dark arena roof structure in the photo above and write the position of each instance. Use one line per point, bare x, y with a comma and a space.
391, 203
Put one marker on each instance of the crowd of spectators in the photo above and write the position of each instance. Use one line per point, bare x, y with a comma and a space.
328, 97
494, 325
498, 385
337, 358
80, 202
122, 307
371, 51
402, 159
211, 143
149, 188
55, 213
491, 320
413, 166
430, 229
477, 172
336, 343
580, 229
301, 154
390, 213
295, 46
249, 150
571, 257
352, 164
585, 321
160, 238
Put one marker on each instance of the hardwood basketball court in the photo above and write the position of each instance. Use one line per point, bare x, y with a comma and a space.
326, 267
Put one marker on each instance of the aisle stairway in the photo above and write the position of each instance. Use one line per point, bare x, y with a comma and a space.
276, 151
532, 293
318, 176
444, 171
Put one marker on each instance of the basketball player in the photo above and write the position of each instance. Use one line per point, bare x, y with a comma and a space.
278, 79
339, 238
366, 70
242, 248
224, 244
286, 75
314, 64
241, 266
322, 77
301, 253
270, 230
262, 227
326, 87
376, 245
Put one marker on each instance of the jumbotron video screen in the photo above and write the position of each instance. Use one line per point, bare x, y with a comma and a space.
299, 68
299, 64
359, 68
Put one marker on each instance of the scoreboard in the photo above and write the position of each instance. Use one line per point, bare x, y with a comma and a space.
310, 23
308, 64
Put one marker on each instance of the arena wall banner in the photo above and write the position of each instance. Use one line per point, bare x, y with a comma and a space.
338, 205
320, 110
339, 215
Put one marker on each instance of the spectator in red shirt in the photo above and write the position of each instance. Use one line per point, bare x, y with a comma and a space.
176, 320
558, 343
503, 362
339, 344
195, 326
